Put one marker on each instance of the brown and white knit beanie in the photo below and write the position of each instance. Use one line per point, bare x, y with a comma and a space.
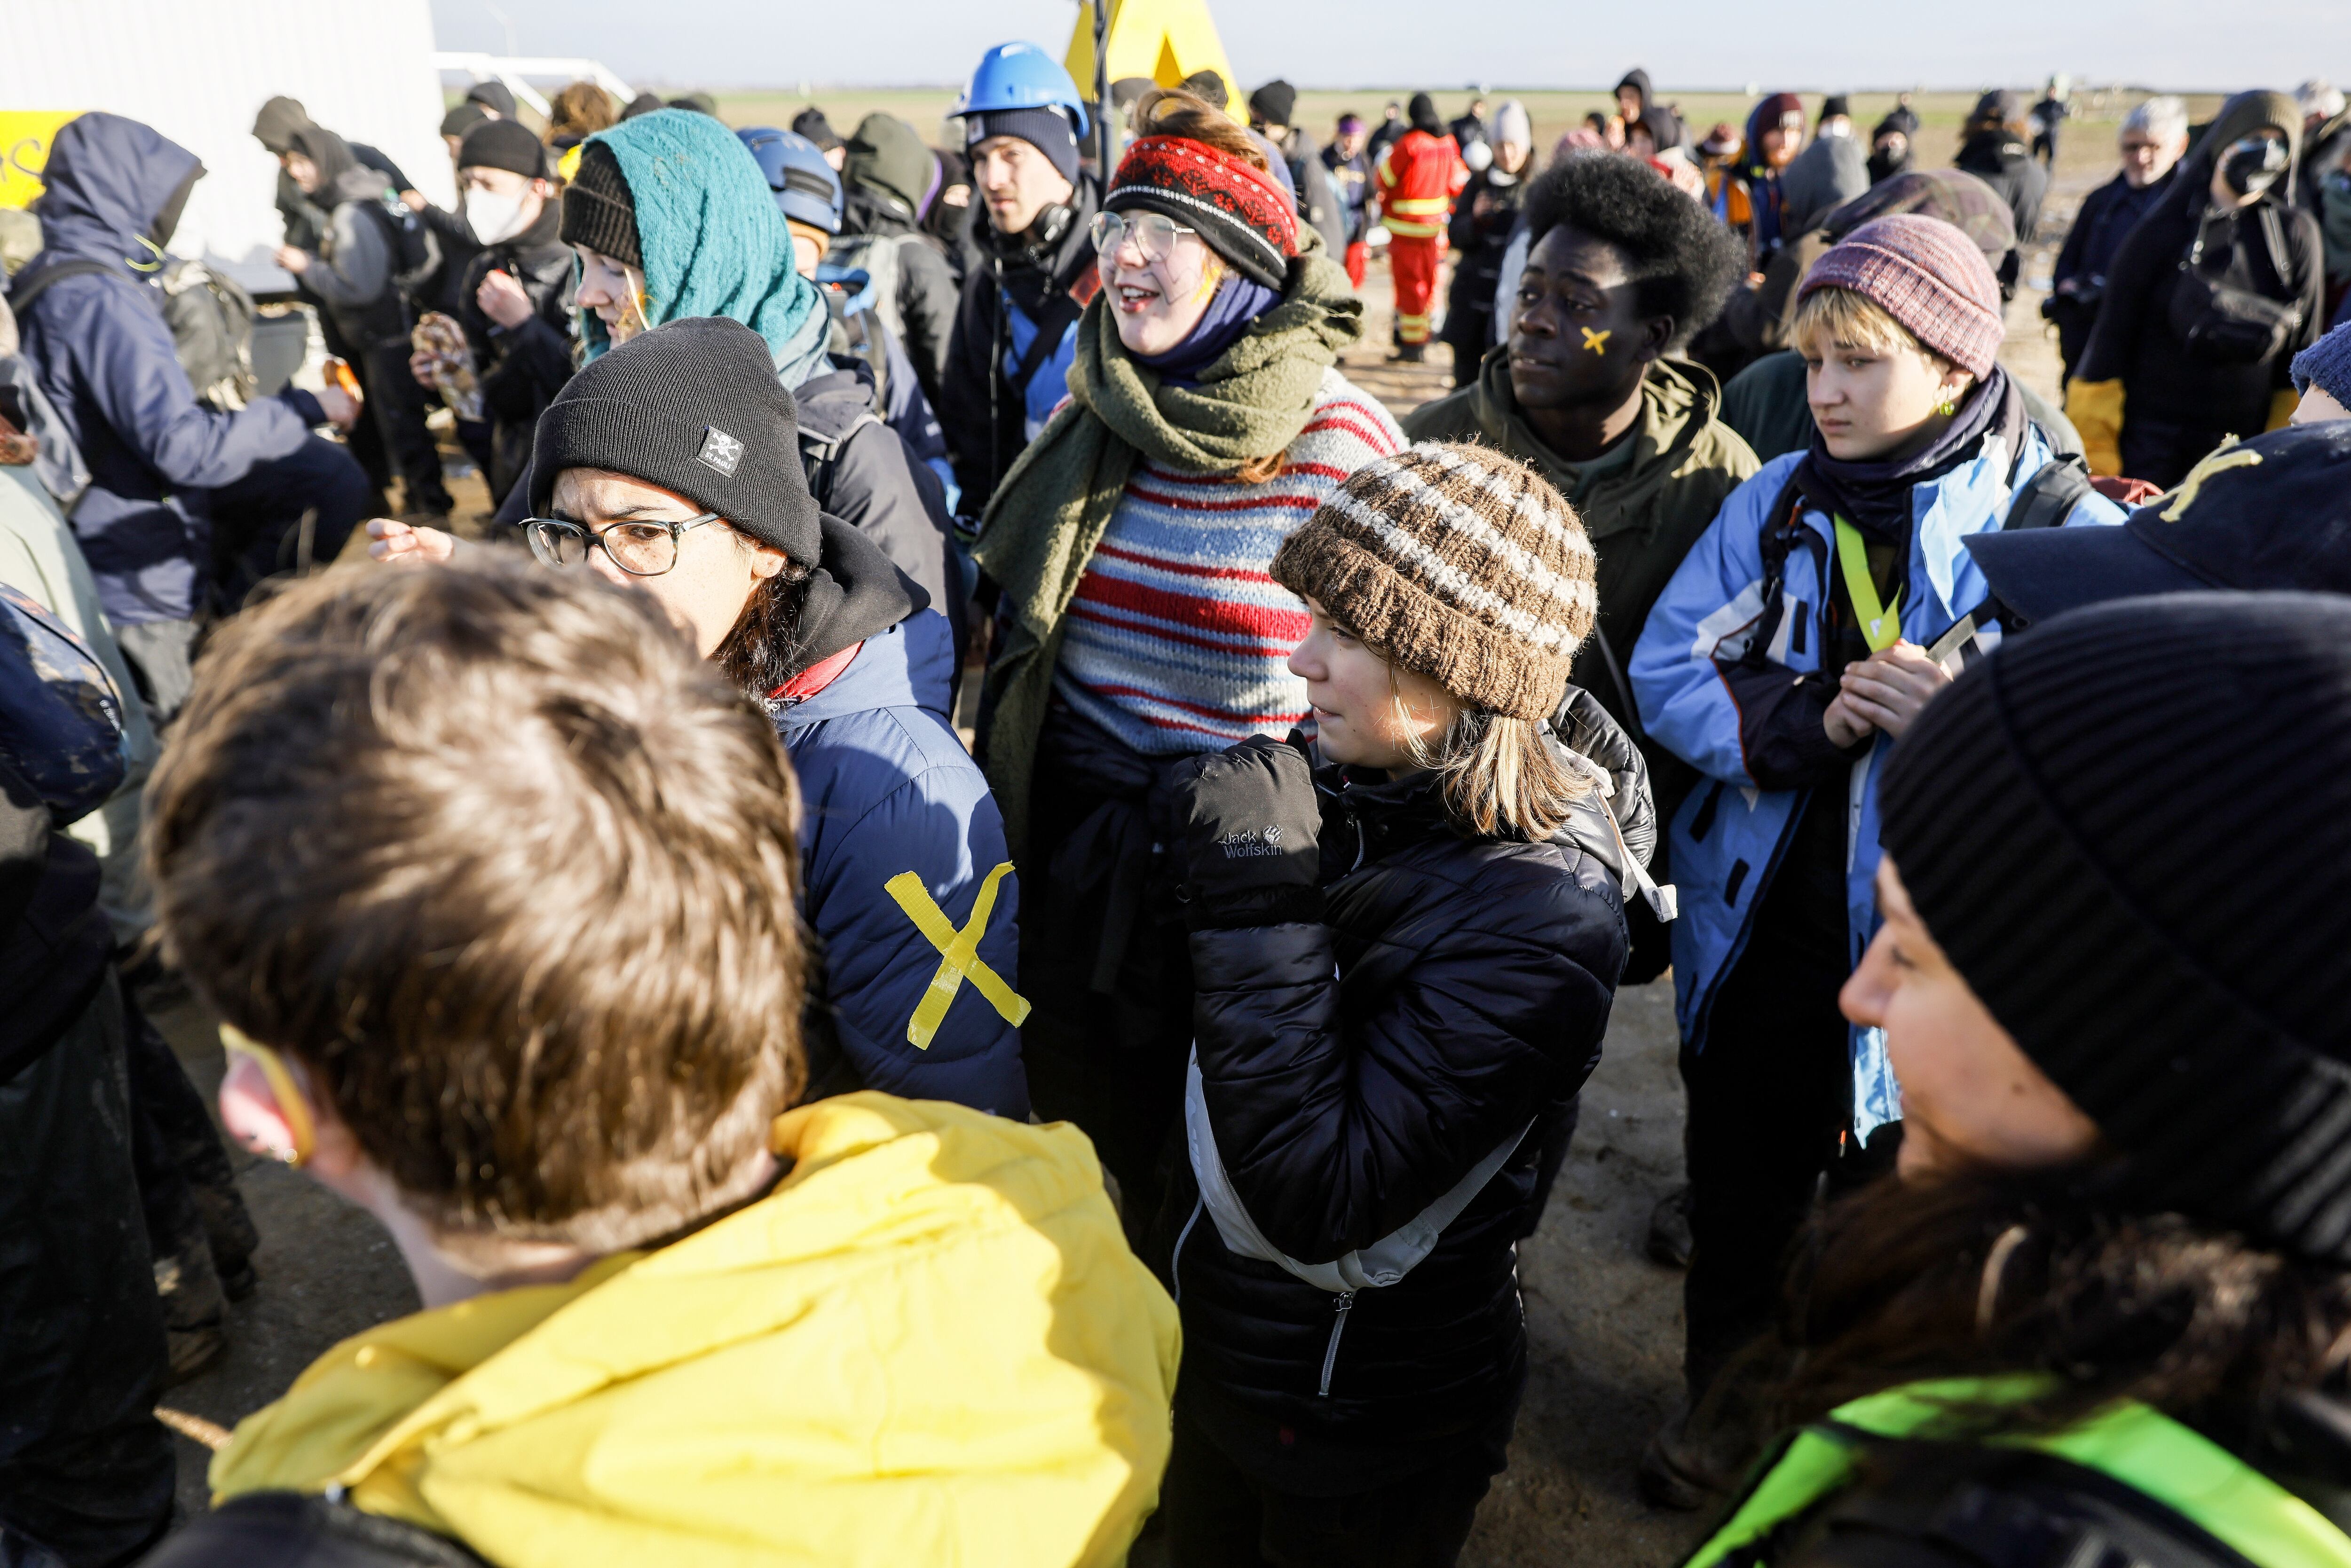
1458, 563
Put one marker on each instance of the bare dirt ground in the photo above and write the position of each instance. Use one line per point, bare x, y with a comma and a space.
1605, 1322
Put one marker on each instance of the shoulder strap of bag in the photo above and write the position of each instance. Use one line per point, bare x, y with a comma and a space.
820, 455
1381, 1264
32, 285
2049, 495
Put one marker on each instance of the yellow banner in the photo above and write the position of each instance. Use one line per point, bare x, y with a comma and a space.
25, 138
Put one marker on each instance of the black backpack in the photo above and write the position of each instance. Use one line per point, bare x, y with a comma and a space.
415, 252
2221, 324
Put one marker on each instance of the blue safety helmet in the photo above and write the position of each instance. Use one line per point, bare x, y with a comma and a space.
805, 186
1021, 76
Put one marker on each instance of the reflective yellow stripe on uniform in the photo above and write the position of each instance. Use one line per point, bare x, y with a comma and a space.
959, 955
1415, 206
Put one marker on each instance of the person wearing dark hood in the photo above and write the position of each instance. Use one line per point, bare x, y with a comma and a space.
643, 103
951, 217
1635, 98
672, 464
1588, 389
355, 273
2103, 1299
1270, 109
1751, 200
180, 498
497, 99
811, 123
1383, 135
1015, 326
1414, 184
892, 183
1995, 146
516, 304
2154, 138
2207, 302
306, 223
1765, 403
1788, 654
1485, 224
1469, 125
1824, 177
1889, 150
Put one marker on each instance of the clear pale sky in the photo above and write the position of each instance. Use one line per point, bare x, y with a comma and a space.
1685, 44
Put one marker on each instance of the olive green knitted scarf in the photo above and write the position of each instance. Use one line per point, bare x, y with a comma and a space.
1040, 529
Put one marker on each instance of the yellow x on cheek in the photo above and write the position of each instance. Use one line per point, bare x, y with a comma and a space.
1595, 341
959, 955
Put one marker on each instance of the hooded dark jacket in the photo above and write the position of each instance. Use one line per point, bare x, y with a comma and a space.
1351, 1072
105, 359
2107, 217
2145, 408
356, 285
1999, 159
886, 788
519, 370
889, 180
1471, 302
984, 410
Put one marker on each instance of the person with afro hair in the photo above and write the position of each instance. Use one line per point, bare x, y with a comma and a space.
1587, 388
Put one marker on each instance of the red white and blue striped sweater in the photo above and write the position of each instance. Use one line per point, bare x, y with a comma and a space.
1178, 641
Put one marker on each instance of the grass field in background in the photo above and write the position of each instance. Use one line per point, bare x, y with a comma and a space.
2095, 113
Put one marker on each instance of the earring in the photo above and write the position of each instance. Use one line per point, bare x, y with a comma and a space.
1947, 407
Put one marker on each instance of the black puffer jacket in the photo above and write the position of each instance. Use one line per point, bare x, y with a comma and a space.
1354, 1072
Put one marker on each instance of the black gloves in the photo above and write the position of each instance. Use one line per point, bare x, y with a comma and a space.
1247, 822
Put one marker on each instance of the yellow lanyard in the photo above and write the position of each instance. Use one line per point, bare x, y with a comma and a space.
1881, 625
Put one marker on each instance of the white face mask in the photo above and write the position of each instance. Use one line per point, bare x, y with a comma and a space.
494, 218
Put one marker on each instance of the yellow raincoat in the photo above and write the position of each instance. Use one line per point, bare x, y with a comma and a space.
930, 1344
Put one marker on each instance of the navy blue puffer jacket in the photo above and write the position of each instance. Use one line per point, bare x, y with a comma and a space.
1355, 1070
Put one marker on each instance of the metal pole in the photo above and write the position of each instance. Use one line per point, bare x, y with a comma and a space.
1103, 137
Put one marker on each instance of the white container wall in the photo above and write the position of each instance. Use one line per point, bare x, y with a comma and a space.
198, 70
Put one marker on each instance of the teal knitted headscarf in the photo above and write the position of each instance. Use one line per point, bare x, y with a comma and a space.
714, 242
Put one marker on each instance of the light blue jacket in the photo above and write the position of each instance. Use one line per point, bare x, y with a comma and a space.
1729, 836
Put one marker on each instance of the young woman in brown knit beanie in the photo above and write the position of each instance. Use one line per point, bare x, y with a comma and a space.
1405, 936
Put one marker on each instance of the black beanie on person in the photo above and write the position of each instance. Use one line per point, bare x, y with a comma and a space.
598, 209
461, 120
1049, 130
505, 144
1274, 102
693, 406
2125, 828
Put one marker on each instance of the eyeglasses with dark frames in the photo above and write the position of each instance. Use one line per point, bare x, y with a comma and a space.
639, 549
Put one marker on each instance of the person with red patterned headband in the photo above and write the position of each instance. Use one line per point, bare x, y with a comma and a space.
1138, 620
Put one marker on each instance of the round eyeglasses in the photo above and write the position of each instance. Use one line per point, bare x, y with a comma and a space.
1153, 233
641, 549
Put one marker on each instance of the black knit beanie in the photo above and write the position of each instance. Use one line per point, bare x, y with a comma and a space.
2127, 827
694, 407
1046, 130
598, 209
505, 144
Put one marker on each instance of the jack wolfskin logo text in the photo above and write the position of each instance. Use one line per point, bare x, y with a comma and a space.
1246, 843
719, 450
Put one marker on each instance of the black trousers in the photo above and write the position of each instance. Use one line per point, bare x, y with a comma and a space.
1769, 1101
257, 519
197, 1224
398, 406
2162, 452
1109, 983
1219, 1516
86, 1471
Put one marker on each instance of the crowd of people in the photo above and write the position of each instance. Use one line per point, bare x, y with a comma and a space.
814, 1138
